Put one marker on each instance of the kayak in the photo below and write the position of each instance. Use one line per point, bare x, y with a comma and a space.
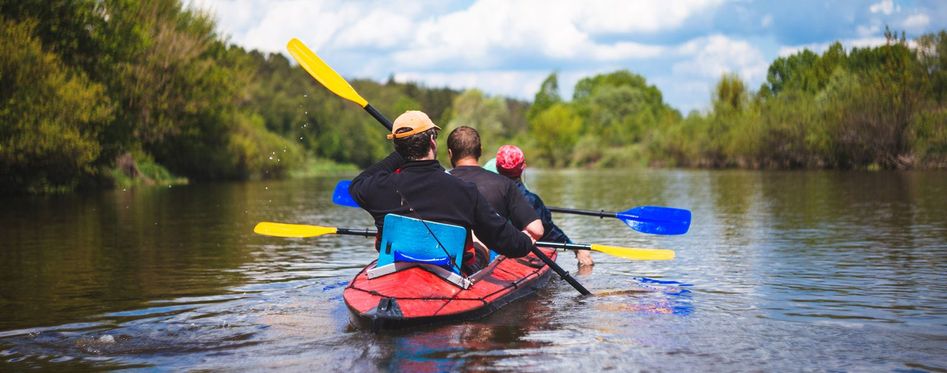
393, 297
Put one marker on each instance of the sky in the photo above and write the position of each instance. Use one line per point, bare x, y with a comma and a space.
508, 47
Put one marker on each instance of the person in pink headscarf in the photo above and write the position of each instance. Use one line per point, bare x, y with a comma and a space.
511, 162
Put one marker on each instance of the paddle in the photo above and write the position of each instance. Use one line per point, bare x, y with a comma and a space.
331, 79
334, 82
644, 219
304, 231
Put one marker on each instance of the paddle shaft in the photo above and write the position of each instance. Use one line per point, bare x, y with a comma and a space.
561, 272
367, 232
378, 116
599, 213
555, 267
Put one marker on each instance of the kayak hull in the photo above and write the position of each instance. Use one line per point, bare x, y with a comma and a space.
416, 296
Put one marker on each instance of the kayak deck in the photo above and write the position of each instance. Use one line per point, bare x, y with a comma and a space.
416, 296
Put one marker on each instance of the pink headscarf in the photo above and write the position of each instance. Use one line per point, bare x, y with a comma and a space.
510, 161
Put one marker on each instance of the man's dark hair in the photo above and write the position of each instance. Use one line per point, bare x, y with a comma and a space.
463, 142
415, 146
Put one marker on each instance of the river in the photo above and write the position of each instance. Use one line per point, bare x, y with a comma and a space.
794, 270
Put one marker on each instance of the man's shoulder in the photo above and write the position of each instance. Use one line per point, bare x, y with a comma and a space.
480, 175
450, 178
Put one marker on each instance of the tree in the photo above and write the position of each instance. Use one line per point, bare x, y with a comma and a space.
547, 96
556, 131
50, 115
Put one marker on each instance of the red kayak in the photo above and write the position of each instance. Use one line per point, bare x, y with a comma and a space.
410, 294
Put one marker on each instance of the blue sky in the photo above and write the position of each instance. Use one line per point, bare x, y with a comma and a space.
509, 47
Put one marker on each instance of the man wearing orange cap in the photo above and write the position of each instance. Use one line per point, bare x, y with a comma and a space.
511, 162
410, 182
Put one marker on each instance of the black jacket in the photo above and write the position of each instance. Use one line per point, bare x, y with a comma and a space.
395, 186
501, 192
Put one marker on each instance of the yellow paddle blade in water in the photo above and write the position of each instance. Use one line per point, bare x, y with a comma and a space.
633, 253
323, 73
292, 230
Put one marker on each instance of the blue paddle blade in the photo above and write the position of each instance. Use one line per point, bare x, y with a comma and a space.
341, 194
657, 220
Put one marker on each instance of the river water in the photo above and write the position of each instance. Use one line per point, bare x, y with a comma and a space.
781, 271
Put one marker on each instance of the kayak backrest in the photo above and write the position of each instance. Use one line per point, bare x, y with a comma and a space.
409, 240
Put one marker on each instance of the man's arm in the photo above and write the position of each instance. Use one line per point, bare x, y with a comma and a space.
497, 232
535, 229
361, 184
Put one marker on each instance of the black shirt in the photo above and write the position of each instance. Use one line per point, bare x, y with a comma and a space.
394, 186
501, 192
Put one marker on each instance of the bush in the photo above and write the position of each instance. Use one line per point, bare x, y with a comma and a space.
50, 116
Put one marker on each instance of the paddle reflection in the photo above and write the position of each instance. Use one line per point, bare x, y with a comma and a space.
650, 296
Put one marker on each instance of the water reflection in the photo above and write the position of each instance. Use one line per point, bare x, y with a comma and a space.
781, 271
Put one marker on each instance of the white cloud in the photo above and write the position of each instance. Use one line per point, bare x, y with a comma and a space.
766, 21
511, 83
885, 7
866, 31
618, 16
916, 22
713, 56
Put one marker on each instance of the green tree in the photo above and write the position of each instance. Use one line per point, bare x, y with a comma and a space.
488, 115
50, 115
547, 96
556, 132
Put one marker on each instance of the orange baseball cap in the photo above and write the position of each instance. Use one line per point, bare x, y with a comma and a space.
415, 120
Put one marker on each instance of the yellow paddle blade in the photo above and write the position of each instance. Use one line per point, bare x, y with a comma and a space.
635, 254
292, 230
323, 73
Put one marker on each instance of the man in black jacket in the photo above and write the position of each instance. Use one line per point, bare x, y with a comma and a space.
410, 182
464, 149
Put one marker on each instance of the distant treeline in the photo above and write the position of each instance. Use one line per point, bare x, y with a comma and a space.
99, 92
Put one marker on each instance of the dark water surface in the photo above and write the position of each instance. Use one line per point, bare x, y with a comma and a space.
780, 271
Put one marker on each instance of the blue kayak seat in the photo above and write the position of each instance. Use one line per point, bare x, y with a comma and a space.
408, 240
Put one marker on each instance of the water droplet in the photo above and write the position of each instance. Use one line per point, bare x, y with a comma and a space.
300, 137
266, 188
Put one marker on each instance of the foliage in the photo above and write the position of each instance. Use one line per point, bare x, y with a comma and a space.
50, 115
556, 131
877, 107
94, 89
547, 96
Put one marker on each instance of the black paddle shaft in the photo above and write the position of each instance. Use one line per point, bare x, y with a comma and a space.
561, 272
599, 213
378, 116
